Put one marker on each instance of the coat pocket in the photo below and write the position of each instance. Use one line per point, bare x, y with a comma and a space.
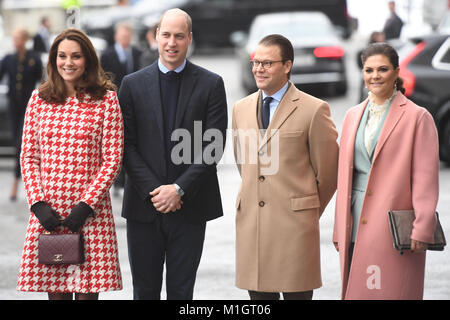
306, 202
290, 134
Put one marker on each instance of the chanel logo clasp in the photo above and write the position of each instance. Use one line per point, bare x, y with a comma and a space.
57, 257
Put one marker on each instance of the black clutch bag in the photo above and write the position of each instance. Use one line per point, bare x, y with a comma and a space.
401, 224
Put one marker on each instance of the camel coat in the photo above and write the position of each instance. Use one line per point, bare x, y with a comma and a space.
288, 176
404, 175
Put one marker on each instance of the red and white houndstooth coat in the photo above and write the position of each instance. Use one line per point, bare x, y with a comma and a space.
72, 153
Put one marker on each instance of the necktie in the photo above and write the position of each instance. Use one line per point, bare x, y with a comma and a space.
266, 112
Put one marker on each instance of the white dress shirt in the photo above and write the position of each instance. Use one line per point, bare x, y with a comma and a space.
276, 99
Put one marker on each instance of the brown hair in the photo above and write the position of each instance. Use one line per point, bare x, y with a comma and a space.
94, 80
286, 48
389, 52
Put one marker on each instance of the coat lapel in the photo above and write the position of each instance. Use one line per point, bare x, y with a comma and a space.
286, 107
353, 129
394, 115
252, 112
153, 95
187, 86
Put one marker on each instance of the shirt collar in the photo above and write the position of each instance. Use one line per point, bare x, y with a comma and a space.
375, 108
164, 69
279, 94
119, 48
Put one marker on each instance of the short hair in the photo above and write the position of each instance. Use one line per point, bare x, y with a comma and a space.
94, 80
23, 33
184, 13
124, 25
286, 48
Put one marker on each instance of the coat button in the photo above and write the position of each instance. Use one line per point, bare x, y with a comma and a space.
369, 193
81, 170
49, 134
364, 221
261, 203
261, 178
79, 136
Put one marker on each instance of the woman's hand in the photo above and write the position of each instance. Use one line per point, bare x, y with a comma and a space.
47, 217
417, 246
77, 217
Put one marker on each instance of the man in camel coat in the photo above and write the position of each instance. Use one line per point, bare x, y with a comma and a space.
286, 151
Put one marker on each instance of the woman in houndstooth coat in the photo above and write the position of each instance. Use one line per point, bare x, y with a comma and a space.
71, 153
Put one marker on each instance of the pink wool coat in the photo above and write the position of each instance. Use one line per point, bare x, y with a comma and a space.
404, 175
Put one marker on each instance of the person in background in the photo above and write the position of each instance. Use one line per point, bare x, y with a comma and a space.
119, 60
388, 160
71, 152
151, 54
277, 218
41, 41
122, 58
376, 36
24, 70
167, 199
393, 26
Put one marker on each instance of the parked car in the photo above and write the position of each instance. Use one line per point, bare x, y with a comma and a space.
213, 20
101, 22
318, 57
425, 69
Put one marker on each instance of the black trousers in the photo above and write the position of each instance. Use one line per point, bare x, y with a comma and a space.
16, 114
169, 239
302, 295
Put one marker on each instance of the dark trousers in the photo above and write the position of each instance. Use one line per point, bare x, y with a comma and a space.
303, 295
350, 255
171, 240
16, 114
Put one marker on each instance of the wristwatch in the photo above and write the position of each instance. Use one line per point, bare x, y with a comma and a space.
180, 191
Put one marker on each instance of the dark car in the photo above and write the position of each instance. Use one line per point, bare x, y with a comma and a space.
319, 60
213, 20
425, 69
101, 22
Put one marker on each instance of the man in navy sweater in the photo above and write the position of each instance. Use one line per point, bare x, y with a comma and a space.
170, 195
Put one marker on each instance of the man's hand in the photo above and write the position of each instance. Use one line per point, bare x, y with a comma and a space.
166, 199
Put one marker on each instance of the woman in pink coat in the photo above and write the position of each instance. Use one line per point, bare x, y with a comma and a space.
71, 152
388, 160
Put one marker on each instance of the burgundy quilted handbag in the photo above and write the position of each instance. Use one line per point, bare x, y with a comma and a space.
61, 248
